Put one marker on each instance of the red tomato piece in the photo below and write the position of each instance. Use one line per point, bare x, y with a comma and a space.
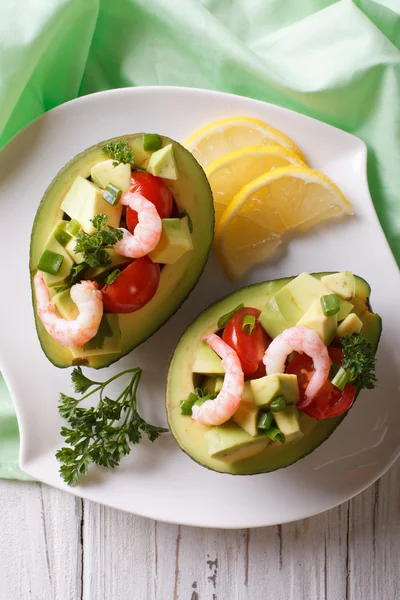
330, 401
249, 348
133, 288
153, 189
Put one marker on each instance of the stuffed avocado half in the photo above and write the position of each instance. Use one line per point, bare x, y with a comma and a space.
91, 186
268, 430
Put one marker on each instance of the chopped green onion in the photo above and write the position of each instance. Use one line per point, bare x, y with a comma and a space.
187, 404
278, 404
50, 262
61, 235
265, 421
330, 305
249, 321
151, 142
341, 378
223, 321
276, 435
112, 194
112, 276
73, 227
332, 371
190, 222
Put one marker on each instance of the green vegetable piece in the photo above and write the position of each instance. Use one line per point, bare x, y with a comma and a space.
50, 262
265, 421
223, 321
341, 378
278, 404
94, 246
112, 194
151, 142
73, 227
61, 235
330, 305
359, 361
248, 324
120, 152
333, 371
276, 435
112, 276
97, 342
187, 404
100, 434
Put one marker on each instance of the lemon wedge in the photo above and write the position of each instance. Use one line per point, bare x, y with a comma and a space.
228, 174
252, 225
222, 137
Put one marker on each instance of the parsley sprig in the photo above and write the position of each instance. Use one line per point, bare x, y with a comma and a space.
100, 434
359, 361
120, 152
94, 246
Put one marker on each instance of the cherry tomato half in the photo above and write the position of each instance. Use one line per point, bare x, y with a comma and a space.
249, 348
133, 288
330, 401
153, 189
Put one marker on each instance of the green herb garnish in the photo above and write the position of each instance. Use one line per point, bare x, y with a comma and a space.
101, 434
198, 397
94, 246
112, 276
359, 361
248, 324
223, 321
76, 274
120, 152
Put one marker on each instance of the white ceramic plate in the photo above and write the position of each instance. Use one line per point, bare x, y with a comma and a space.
159, 480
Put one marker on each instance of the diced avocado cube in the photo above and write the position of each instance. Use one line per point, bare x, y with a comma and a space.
175, 241
206, 361
268, 388
61, 234
315, 319
77, 257
287, 421
247, 413
162, 163
288, 305
116, 261
60, 278
213, 384
84, 200
351, 324
345, 308
343, 284
104, 173
230, 443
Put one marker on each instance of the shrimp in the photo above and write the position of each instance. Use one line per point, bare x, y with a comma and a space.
77, 332
147, 232
219, 410
303, 340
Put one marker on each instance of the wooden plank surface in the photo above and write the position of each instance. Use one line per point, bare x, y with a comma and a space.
57, 547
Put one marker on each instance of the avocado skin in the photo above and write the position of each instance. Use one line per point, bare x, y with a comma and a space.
374, 333
195, 198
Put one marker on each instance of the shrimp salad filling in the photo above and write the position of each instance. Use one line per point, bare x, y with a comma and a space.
120, 226
269, 374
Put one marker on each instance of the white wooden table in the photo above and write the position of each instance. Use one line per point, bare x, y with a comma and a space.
54, 546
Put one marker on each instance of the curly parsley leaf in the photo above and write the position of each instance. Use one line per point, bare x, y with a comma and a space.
120, 152
94, 246
359, 361
100, 434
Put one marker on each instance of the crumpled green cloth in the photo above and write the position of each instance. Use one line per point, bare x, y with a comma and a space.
338, 61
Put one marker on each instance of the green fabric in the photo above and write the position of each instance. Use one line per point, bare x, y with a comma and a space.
338, 61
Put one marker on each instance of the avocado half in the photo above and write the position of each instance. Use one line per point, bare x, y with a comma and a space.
190, 435
191, 193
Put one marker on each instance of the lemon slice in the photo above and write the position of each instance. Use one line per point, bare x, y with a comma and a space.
228, 174
251, 227
221, 137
